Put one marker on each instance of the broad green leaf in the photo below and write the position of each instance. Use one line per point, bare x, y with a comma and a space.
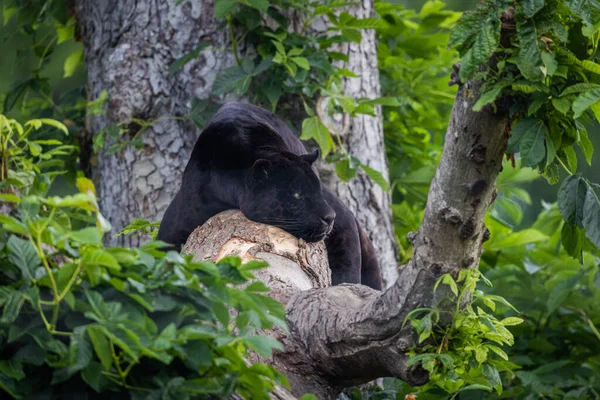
486, 42
584, 101
313, 128
529, 59
550, 64
488, 97
12, 308
530, 7
591, 214
519, 238
571, 200
572, 240
260, 5
231, 79
586, 145
376, 176
89, 235
101, 257
468, 66
23, 255
101, 345
80, 350
466, 27
560, 293
264, 345
588, 10
591, 66
8, 385
528, 137
224, 7
561, 104
580, 87
301, 62
64, 275
344, 170
72, 62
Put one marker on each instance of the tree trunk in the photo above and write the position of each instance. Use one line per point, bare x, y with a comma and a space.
346, 335
129, 46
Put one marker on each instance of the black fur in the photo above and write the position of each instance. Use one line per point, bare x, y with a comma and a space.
248, 159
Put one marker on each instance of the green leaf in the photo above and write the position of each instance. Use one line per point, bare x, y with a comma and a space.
529, 59
72, 62
587, 10
530, 7
344, 170
376, 176
530, 134
486, 42
584, 101
231, 79
550, 64
23, 255
80, 350
89, 235
64, 275
365, 23
488, 97
579, 87
101, 257
313, 128
12, 308
178, 64
101, 345
510, 321
519, 238
301, 62
352, 35
224, 7
586, 145
561, 292
467, 26
8, 385
572, 239
264, 345
561, 104
260, 5
221, 312
591, 214
571, 200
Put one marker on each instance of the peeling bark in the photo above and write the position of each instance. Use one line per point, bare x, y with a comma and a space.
347, 335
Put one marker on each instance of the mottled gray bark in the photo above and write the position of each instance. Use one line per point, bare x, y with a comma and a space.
129, 46
346, 335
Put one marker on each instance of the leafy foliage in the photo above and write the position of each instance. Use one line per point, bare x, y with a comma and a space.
78, 318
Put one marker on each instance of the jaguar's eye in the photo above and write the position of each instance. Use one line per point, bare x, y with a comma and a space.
297, 195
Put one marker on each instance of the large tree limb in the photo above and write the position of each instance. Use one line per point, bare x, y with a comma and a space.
350, 334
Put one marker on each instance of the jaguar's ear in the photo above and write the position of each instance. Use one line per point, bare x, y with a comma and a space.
260, 170
311, 157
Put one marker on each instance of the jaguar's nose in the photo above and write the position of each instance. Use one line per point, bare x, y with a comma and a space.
328, 218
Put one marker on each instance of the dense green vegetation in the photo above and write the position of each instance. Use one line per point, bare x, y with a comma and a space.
140, 319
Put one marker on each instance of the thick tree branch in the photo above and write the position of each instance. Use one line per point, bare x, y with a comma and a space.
350, 334
366, 340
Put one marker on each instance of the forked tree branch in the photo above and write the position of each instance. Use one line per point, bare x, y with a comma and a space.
350, 334
354, 334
